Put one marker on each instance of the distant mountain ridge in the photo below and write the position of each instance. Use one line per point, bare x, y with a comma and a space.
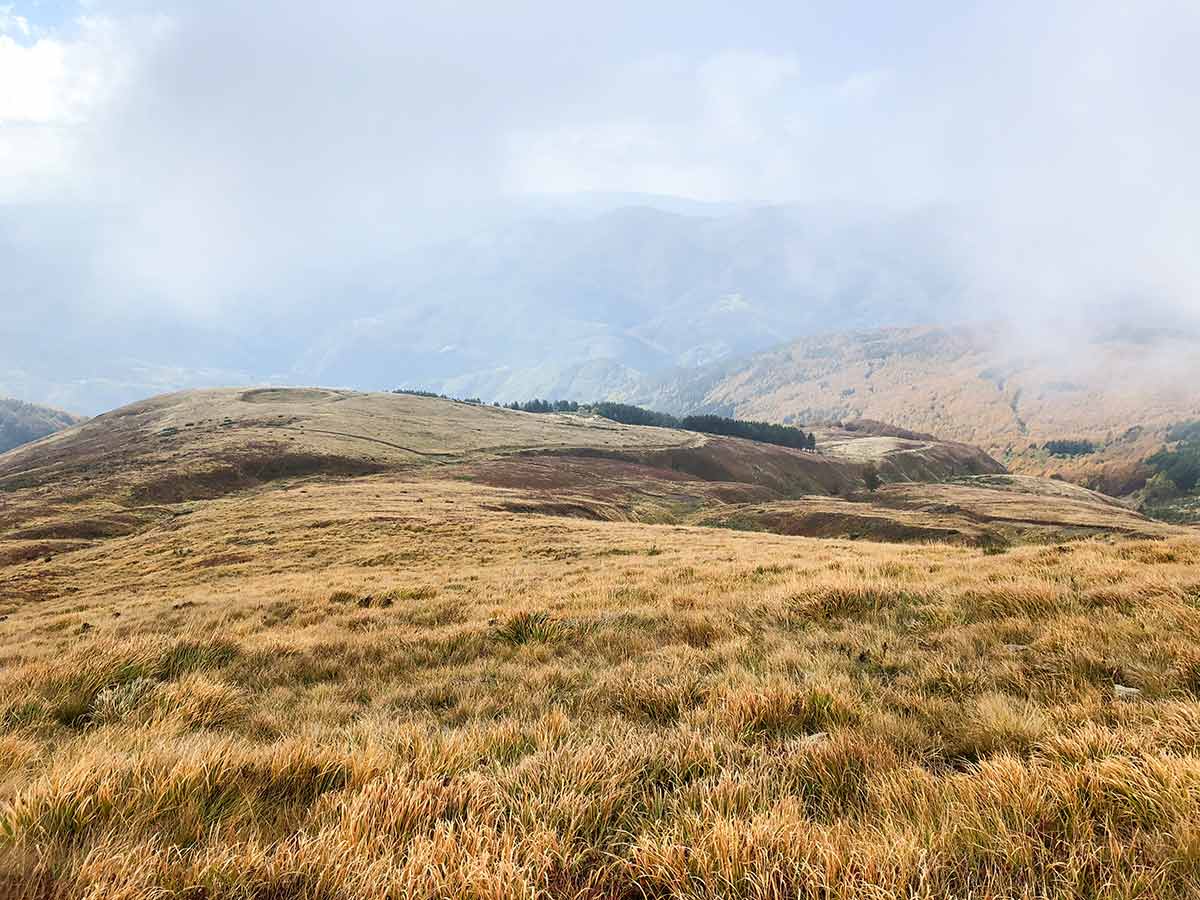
548, 303
21, 423
980, 385
636, 302
579, 307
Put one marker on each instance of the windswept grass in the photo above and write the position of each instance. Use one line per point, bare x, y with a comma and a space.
522, 709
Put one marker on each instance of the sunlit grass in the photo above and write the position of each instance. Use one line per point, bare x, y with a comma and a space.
534, 707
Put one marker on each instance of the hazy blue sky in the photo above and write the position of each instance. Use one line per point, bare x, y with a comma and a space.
202, 160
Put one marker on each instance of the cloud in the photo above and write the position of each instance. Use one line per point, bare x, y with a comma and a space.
49, 85
252, 168
1057, 139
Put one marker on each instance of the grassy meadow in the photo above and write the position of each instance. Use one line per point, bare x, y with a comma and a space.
389, 688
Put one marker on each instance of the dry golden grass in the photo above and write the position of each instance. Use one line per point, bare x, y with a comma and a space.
389, 687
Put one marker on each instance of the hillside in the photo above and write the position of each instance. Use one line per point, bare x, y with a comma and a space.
129, 471
981, 386
21, 423
315, 643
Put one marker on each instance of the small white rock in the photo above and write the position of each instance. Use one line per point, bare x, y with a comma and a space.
1123, 692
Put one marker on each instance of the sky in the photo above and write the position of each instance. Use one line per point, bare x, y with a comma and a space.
210, 162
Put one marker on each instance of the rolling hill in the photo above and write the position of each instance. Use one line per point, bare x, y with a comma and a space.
129, 471
22, 422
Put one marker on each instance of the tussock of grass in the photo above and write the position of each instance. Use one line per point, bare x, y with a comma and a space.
434, 613
779, 707
997, 722
530, 627
411, 594
660, 695
198, 701
849, 596
103, 676
120, 702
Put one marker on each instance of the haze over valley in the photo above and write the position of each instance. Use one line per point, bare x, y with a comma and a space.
555, 220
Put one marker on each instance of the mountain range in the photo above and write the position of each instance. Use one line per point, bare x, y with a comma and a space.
681, 308
547, 301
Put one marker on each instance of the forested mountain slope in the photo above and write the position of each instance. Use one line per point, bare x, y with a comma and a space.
22, 422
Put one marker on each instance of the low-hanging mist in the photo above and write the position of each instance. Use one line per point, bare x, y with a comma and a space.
212, 194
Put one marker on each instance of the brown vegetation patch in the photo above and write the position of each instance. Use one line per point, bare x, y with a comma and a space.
246, 471
13, 552
288, 395
86, 528
570, 510
801, 519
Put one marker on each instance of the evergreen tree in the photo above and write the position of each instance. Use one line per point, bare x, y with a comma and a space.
871, 477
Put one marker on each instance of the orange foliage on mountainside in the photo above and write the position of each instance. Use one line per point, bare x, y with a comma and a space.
983, 386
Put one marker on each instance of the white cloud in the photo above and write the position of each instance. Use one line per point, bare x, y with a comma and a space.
11, 23
737, 126
51, 87
1059, 139
35, 83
